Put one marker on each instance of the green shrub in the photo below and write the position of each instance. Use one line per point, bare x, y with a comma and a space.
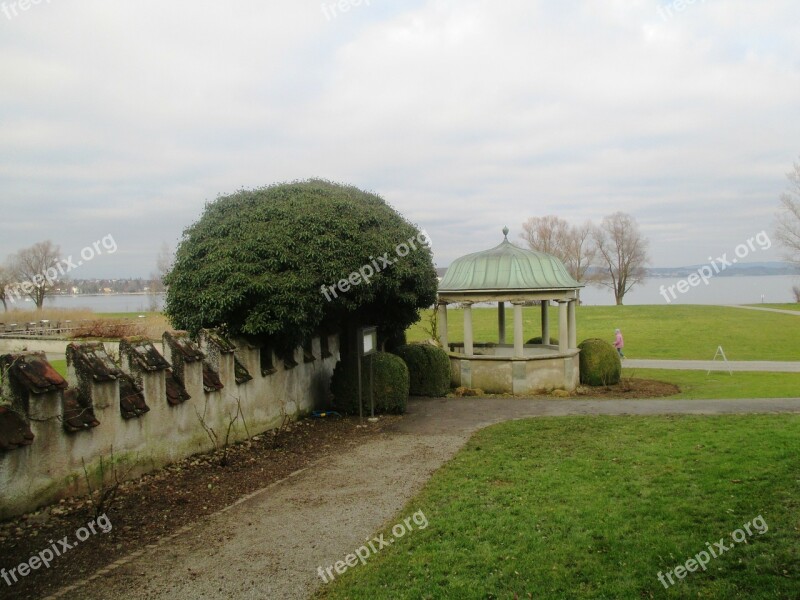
428, 369
393, 341
538, 340
390, 384
599, 363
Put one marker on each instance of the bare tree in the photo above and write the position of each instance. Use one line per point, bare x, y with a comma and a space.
788, 229
163, 266
546, 234
35, 271
572, 245
580, 251
164, 261
5, 282
622, 249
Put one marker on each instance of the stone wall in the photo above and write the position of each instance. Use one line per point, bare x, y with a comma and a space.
541, 372
143, 409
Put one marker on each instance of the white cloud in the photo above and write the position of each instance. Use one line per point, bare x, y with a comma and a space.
465, 115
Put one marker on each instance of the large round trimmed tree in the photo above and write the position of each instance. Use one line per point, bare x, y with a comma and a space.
261, 262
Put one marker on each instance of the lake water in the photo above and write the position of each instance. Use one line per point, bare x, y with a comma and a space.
102, 303
720, 290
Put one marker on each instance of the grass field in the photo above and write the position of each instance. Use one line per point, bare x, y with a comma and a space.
689, 332
596, 507
60, 366
742, 384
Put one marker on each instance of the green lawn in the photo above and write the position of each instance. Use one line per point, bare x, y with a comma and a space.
60, 366
669, 331
696, 384
596, 507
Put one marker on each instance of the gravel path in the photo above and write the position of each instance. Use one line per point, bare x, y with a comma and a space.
775, 310
773, 366
270, 544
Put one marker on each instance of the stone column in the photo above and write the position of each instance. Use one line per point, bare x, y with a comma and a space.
545, 322
563, 326
519, 341
573, 330
468, 349
442, 310
501, 322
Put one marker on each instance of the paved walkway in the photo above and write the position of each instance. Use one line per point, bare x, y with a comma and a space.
271, 543
773, 366
765, 309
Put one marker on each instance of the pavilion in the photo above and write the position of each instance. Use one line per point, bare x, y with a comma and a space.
508, 273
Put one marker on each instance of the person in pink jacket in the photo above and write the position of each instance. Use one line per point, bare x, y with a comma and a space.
619, 343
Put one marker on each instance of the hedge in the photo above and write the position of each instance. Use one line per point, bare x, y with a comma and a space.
428, 369
390, 384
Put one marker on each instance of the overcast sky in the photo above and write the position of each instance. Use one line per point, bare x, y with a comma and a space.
124, 118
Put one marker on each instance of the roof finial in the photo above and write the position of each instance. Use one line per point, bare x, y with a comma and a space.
505, 232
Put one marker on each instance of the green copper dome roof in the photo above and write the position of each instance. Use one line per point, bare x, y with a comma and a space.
507, 267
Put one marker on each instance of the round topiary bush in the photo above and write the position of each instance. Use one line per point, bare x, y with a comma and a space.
538, 340
599, 363
428, 369
390, 384
272, 264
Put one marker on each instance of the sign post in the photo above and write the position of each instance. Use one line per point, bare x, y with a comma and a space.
721, 352
367, 346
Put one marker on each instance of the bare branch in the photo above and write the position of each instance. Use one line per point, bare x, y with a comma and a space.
546, 234
212, 435
34, 271
788, 227
105, 494
623, 252
6, 280
572, 245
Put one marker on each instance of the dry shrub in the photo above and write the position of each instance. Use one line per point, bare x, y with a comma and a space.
86, 323
154, 326
107, 329
461, 392
51, 314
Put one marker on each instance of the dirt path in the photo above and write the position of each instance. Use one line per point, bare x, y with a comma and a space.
270, 544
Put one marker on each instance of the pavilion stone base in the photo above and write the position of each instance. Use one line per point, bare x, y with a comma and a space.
535, 374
